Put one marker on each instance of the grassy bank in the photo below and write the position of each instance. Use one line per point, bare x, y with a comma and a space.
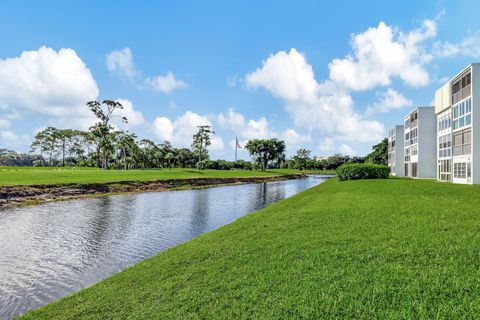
359, 249
31, 176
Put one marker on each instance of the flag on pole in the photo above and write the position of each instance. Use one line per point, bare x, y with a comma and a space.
237, 144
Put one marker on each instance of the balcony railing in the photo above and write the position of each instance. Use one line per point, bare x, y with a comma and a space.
462, 94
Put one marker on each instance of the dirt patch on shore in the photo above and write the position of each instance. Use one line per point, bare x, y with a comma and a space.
11, 196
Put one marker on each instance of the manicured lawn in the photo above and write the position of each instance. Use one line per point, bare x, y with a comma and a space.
30, 175
380, 249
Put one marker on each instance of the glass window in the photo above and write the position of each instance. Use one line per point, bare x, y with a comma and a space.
462, 114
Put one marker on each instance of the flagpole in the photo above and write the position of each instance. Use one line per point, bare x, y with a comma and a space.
236, 145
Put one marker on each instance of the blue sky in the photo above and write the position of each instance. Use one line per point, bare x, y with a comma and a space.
330, 77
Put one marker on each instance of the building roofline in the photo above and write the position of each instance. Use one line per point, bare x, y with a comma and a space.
460, 73
395, 126
418, 108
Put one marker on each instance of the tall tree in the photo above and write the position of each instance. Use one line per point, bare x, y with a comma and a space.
65, 141
105, 112
379, 155
47, 141
185, 158
39, 143
265, 150
79, 145
149, 153
128, 149
301, 158
166, 153
201, 140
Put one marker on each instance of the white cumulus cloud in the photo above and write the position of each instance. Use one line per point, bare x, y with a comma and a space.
256, 129
251, 129
292, 137
326, 107
121, 62
469, 46
163, 128
180, 131
134, 117
166, 83
327, 144
54, 83
378, 55
389, 100
347, 150
9, 139
384, 52
286, 75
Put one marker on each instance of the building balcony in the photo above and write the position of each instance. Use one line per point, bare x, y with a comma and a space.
462, 94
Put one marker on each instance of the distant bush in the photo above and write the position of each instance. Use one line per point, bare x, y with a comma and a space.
218, 165
226, 165
357, 171
12, 158
243, 165
202, 164
38, 163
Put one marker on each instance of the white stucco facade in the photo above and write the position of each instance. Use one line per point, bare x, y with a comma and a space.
420, 135
457, 134
395, 151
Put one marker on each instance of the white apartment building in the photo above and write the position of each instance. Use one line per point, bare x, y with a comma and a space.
395, 151
420, 135
457, 156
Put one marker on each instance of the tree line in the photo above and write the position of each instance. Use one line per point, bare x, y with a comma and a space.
303, 161
106, 147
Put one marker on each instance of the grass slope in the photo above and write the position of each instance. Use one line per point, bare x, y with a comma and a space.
358, 249
30, 175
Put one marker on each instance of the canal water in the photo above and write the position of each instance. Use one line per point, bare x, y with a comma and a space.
51, 250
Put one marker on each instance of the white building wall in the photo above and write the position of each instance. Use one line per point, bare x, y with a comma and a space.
475, 123
461, 124
399, 148
427, 143
395, 153
425, 158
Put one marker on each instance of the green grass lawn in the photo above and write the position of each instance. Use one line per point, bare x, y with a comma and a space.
31, 175
380, 249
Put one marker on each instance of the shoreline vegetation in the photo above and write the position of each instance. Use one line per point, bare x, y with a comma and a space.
29, 186
352, 249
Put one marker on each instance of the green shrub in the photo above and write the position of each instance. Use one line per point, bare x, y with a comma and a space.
357, 171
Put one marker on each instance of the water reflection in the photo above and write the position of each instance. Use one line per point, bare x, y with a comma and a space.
51, 250
199, 217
